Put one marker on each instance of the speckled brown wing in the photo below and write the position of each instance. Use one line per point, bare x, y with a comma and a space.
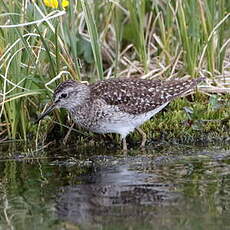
136, 96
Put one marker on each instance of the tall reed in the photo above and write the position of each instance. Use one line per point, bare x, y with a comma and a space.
41, 46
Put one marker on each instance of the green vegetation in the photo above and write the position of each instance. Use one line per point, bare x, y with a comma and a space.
90, 40
203, 120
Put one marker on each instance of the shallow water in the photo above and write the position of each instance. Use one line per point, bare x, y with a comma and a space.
170, 187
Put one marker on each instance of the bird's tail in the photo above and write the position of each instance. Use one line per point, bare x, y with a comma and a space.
181, 87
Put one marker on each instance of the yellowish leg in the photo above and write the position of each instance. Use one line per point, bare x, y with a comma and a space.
144, 138
67, 135
124, 144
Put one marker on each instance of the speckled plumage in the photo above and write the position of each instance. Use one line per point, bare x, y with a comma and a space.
118, 105
137, 96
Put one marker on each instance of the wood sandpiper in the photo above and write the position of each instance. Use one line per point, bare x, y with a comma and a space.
118, 105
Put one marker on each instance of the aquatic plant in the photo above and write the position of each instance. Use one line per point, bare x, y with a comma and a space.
44, 42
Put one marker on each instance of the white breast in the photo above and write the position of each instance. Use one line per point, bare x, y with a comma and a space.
125, 123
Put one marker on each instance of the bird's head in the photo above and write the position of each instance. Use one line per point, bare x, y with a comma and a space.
69, 95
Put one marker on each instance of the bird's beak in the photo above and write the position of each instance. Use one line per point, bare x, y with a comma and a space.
47, 111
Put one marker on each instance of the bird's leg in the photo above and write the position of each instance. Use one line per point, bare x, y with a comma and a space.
124, 144
67, 135
143, 134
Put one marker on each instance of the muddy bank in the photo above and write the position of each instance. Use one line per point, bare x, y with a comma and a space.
193, 120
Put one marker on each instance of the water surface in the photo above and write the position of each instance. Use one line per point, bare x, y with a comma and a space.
175, 187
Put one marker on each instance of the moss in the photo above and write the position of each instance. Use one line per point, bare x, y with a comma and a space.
185, 120
196, 118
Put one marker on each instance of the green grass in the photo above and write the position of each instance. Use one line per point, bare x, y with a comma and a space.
204, 119
201, 119
91, 40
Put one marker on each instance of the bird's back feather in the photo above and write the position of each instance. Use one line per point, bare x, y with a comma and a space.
137, 96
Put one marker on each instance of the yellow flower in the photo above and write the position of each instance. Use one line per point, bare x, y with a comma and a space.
65, 3
51, 3
54, 3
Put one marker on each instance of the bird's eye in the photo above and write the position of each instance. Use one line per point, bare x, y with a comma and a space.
63, 95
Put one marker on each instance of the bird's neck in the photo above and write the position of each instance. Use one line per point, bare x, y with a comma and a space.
83, 103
